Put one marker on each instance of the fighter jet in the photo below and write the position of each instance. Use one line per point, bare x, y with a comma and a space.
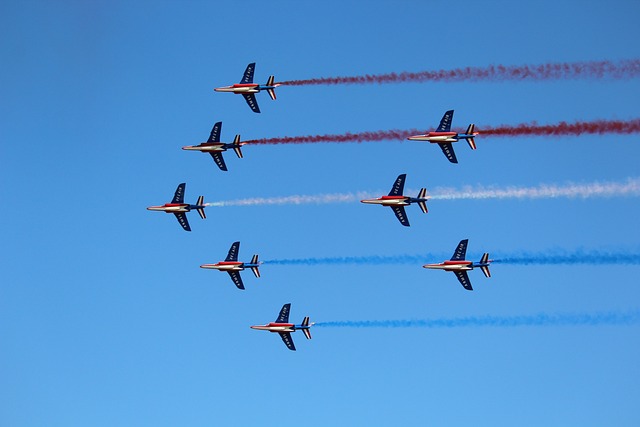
396, 201
444, 137
284, 328
248, 88
214, 147
460, 266
233, 267
178, 207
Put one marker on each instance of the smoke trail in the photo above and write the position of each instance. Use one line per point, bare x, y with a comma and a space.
629, 188
547, 258
578, 257
553, 71
542, 319
594, 127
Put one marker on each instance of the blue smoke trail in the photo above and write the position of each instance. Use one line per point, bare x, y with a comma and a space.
370, 260
555, 257
578, 257
541, 319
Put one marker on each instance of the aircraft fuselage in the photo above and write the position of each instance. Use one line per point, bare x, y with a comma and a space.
438, 137
212, 147
451, 266
281, 327
389, 201
171, 207
240, 88
276, 327
226, 266
457, 265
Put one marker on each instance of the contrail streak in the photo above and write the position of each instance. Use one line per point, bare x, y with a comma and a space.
552, 71
547, 258
542, 319
629, 188
593, 127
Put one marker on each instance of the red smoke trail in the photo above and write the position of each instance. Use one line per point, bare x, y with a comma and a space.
554, 71
560, 129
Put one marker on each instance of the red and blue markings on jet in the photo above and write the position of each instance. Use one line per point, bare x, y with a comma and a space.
179, 208
232, 266
214, 147
458, 265
444, 137
397, 201
284, 328
247, 88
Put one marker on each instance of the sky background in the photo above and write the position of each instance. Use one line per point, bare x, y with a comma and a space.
105, 316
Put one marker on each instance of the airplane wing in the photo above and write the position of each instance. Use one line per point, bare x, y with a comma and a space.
464, 279
248, 74
401, 215
237, 280
215, 133
461, 251
445, 123
251, 100
233, 252
398, 186
283, 317
178, 197
182, 219
447, 149
287, 340
217, 157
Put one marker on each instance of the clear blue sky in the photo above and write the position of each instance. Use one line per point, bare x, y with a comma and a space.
105, 317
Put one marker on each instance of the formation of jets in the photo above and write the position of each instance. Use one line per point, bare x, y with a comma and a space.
396, 200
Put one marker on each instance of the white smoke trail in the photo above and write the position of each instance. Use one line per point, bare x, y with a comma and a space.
628, 188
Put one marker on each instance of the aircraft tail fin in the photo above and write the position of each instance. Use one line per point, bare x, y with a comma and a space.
237, 146
305, 331
200, 210
271, 92
254, 260
485, 268
422, 203
471, 141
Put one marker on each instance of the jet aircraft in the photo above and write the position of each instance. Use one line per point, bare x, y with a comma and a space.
460, 266
214, 147
396, 201
284, 328
248, 88
444, 137
179, 208
233, 267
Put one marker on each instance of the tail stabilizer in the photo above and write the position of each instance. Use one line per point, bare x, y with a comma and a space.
254, 260
305, 331
471, 141
237, 146
200, 210
422, 203
485, 268
271, 92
